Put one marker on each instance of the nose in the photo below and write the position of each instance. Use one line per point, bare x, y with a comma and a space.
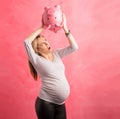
47, 43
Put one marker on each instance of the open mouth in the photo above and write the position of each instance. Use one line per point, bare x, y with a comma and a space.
49, 48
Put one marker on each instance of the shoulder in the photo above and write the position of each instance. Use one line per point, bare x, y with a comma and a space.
56, 52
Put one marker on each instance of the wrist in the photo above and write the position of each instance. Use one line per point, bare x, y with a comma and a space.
67, 32
41, 27
65, 29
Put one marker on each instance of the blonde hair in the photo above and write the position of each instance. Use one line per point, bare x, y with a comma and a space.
32, 69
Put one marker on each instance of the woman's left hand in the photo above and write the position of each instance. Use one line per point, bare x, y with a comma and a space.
64, 23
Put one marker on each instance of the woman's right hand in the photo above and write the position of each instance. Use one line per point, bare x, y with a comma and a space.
42, 23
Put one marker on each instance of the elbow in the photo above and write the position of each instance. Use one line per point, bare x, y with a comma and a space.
27, 42
75, 47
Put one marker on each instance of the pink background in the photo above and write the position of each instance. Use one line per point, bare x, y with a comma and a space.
93, 71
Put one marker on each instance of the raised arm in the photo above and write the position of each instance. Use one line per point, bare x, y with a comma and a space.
34, 34
28, 45
72, 43
70, 37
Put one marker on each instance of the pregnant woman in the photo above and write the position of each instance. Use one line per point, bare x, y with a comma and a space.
43, 62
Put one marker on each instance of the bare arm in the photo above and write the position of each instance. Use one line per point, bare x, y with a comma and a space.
70, 37
72, 43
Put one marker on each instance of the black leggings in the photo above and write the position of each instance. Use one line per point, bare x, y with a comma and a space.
48, 110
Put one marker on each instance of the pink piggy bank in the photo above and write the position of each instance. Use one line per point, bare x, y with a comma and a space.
52, 18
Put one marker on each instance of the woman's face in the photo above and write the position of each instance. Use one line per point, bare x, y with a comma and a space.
43, 46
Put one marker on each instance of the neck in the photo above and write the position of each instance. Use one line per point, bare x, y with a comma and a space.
48, 56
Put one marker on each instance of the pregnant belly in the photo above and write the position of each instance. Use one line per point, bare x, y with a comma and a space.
61, 93
57, 92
